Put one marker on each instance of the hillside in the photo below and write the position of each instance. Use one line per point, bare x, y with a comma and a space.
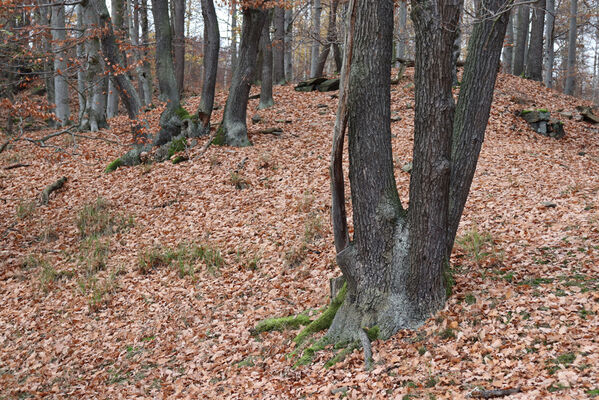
94, 305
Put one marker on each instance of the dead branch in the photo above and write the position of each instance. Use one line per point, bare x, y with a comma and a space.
17, 165
51, 188
4, 146
489, 394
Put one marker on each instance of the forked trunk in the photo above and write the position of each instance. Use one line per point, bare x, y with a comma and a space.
233, 129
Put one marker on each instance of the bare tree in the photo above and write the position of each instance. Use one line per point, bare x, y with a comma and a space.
278, 46
61, 84
549, 55
331, 40
266, 99
521, 39
508, 50
289, 44
571, 72
314, 49
179, 41
534, 61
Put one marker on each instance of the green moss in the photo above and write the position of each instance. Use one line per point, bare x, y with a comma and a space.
179, 159
280, 324
373, 333
311, 351
525, 112
593, 393
542, 110
219, 138
340, 356
448, 279
113, 165
182, 113
324, 321
176, 146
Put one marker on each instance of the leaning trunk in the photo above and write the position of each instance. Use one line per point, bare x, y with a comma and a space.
266, 99
534, 61
233, 129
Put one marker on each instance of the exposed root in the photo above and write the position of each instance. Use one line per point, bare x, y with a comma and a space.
365, 341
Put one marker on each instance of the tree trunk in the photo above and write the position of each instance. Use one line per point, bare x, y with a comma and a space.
402, 31
521, 40
81, 81
179, 42
211, 48
133, 26
112, 108
43, 15
455, 54
331, 39
314, 50
233, 129
146, 76
549, 56
534, 61
112, 55
571, 72
266, 99
394, 265
508, 50
288, 44
233, 35
61, 85
278, 46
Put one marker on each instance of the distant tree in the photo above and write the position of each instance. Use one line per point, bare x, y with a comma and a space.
278, 46
179, 42
571, 65
330, 42
521, 39
534, 61
117, 22
288, 44
266, 99
508, 50
61, 84
315, 48
549, 41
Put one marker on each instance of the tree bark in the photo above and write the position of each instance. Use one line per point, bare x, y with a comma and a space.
508, 50
112, 108
146, 76
233, 129
266, 99
179, 42
521, 40
61, 85
43, 16
81, 82
211, 49
314, 50
571, 72
233, 35
402, 36
288, 44
549, 55
534, 62
331, 39
278, 46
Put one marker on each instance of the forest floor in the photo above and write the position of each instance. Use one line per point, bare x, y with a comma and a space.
145, 282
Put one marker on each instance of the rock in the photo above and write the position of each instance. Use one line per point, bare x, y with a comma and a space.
309, 85
321, 105
329, 85
540, 120
342, 390
549, 204
587, 114
566, 114
582, 153
407, 167
395, 118
532, 116
272, 131
256, 118
322, 112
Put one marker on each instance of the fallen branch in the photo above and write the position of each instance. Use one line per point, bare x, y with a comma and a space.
272, 131
17, 165
208, 143
489, 394
51, 188
4, 146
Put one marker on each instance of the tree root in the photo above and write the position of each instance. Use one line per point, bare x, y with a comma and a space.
51, 188
489, 394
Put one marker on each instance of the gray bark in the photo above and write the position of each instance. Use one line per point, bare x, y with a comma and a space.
81, 82
508, 50
112, 108
331, 39
393, 267
571, 72
278, 46
43, 15
233, 129
534, 61
266, 99
146, 75
549, 55
315, 48
289, 45
402, 31
179, 42
233, 35
521, 40
61, 86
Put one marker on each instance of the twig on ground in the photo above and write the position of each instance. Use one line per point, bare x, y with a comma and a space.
208, 143
17, 165
51, 188
489, 394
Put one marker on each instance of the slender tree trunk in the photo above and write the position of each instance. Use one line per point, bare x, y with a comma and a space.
402, 32
331, 38
233, 35
233, 129
43, 18
112, 108
266, 99
455, 54
549, 55
146, 76
508, 50
534, 61
211, 49
571, 72
61, 85
133, 26
278, 46
289, 44
113, 55
521, 40
82, 93
179, 42
314, 50
394, 265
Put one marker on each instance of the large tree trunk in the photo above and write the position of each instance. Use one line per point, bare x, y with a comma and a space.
146, 76
211, 48
394, 265
61, 85
278, 46
571, 72
534, 62
314, 49
112, 55
508, 50
233, 129
289, 44
549, 55
266, 99
179, 42
118, 6
331, 39
521, 39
